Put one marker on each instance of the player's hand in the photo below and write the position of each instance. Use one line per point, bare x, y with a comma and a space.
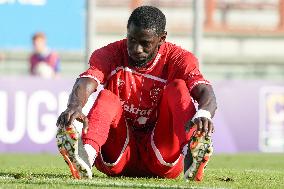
203, 125
67, 117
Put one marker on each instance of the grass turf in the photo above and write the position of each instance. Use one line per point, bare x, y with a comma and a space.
223, 171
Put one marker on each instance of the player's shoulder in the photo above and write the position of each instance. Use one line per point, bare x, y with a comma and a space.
174, 51
116, 45
110, 53
113, 48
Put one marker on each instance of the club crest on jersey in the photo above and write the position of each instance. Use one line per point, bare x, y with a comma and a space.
120, 83
155, 94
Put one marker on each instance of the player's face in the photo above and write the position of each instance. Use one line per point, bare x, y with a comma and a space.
142, 45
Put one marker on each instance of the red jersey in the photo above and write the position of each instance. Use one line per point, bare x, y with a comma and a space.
140, 89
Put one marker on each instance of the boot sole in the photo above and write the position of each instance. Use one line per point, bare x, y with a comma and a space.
67, 143
201, 150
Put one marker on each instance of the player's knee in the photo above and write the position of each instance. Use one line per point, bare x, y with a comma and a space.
108, 95
174, 86
107, 99
177, 83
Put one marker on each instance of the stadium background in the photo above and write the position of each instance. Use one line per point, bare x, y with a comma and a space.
242, 54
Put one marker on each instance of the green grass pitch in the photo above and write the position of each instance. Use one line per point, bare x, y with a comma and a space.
223, 171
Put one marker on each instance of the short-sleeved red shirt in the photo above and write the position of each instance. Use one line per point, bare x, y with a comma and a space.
140, 89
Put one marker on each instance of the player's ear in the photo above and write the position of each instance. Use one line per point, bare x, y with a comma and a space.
163, 37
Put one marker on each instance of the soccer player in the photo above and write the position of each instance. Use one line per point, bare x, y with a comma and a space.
145, 122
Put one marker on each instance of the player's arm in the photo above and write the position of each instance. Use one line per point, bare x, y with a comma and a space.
81, 91
207, 106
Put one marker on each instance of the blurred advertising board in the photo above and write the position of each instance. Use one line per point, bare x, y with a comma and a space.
249, 117
271, 136
245, 109
28, 113
62, 21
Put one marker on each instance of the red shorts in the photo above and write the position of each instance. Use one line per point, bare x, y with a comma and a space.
154, 152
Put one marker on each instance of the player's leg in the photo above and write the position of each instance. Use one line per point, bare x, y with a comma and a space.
108, 133
176, 109
169, 134
169, 138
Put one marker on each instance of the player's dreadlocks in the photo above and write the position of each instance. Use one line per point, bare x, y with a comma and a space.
148, 17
